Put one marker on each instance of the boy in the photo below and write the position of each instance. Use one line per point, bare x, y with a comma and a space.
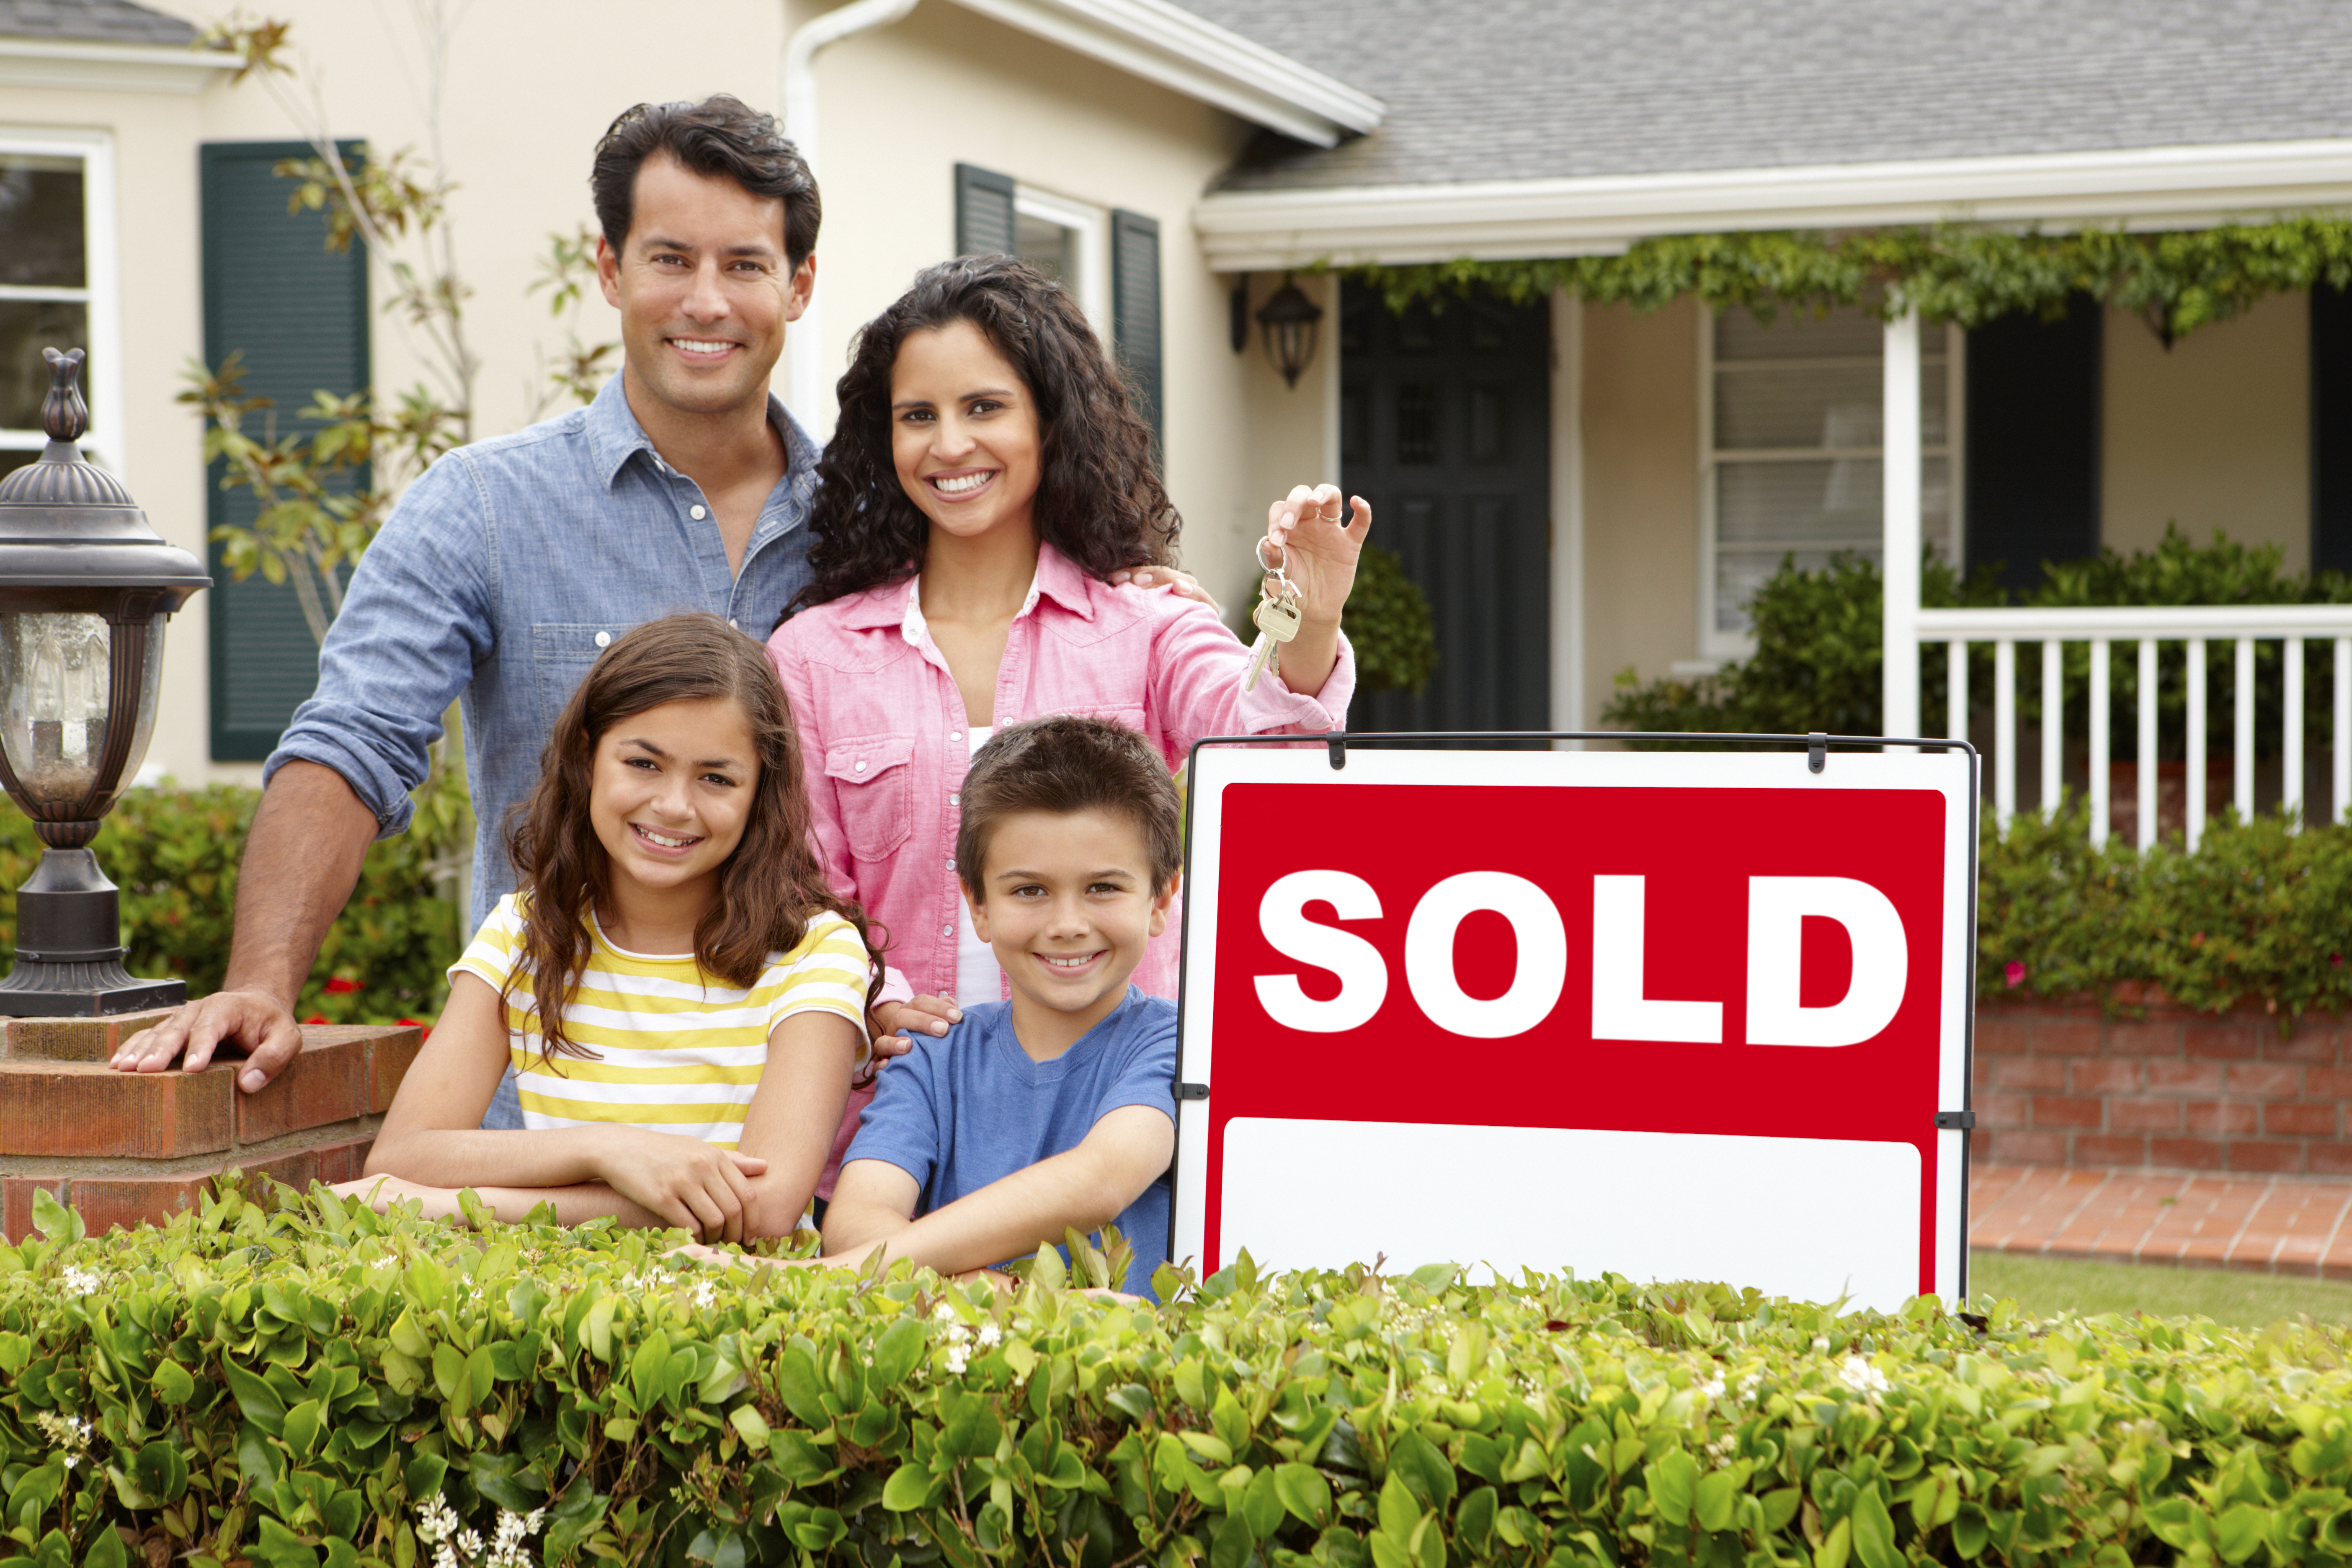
1056, 1108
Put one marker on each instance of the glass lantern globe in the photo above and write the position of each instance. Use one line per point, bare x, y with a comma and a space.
85, 588
1291, 321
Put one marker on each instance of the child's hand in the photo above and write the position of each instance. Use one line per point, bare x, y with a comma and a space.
692, 1184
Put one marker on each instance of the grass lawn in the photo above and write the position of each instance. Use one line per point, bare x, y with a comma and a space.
2045, 1285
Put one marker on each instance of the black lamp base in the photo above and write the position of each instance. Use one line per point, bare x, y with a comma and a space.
69, 947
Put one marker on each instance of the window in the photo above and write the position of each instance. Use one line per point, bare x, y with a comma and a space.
1789, 443
57, 274
1063, 239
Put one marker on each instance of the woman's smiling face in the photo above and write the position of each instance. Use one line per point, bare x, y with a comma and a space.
964, 432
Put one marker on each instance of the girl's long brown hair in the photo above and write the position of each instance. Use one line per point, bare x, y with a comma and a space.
768, 888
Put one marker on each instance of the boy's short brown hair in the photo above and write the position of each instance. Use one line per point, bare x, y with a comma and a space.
1064, 766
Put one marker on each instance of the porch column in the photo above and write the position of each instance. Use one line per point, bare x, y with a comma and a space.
1900, 443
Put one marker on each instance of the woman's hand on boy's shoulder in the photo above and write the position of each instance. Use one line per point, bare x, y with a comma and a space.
1187, 586
924, 1014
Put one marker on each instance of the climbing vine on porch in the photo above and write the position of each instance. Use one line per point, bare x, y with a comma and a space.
2177, 280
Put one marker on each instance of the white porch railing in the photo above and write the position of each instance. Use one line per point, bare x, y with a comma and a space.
2197, 626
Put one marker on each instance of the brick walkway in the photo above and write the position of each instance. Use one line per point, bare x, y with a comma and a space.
2268, 1225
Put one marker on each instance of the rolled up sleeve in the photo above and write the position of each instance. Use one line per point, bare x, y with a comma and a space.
1197, 669
416, 621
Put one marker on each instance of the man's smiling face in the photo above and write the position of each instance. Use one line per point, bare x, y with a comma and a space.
704, 290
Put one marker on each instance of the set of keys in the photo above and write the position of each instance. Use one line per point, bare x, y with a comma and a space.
1277, 617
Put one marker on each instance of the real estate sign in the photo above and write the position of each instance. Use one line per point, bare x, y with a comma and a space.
1672, 1014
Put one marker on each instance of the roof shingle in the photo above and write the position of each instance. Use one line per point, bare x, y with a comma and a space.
1514, 89
92, 21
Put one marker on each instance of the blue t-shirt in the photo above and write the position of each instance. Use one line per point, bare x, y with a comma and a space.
969, 1107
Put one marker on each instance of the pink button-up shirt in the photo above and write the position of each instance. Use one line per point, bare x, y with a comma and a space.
883, 732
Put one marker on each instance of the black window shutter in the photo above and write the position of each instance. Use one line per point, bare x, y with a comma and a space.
297, 314
2033, 441
2331, 428
1134, 310
983, 212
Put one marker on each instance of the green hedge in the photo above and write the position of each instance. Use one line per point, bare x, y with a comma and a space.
2259, 915
320, 1386
174, 854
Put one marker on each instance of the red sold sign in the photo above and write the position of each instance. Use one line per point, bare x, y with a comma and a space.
1673, 1015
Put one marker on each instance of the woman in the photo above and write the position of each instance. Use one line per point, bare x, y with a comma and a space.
986, 480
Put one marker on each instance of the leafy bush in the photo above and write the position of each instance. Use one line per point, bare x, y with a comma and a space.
1388, 624
321, 1384
1819, 661
174, 853
2256, 915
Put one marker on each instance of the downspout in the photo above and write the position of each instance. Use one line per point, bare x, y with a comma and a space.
812, 390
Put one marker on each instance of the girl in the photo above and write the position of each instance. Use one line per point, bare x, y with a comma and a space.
682, 998
986, 481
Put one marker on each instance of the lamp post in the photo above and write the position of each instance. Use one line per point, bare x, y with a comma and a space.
85, 586
1290, 321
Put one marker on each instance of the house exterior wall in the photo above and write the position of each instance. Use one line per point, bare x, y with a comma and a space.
2214, 432
1641, 493
1287, 436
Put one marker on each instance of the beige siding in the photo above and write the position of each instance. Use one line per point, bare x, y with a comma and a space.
1641, 493
2213, 434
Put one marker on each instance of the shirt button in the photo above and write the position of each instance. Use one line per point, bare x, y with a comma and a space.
861, 767
954, 799
947, 931
731, 621
603, 639
697, 513
955, 734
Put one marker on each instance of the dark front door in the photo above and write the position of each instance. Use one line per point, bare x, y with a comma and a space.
1445, 428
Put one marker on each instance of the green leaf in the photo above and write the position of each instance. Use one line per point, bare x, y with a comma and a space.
1712, 1500
1305, 1493
105, 1546
161, 1471
1671, 1481
256, 1399
802, 1387
1874, 1531
54, 1219
972, 1428
1262, 1505
1399, 1512
1474, 1519
898, 1352
908, 1485
1429, 1473
2237, 1532
172, 1383
1968, 1531
303, 1425
1836, 1545
754, 1430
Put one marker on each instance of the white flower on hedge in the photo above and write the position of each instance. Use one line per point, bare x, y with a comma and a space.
706, 1295
78, 1281
989, 1336
70, 1432
435, 1522
1712, 1387
1858, 1373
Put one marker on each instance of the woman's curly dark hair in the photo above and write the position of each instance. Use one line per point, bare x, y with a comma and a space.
1099, 498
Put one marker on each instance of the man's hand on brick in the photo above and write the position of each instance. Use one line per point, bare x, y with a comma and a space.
252, 1021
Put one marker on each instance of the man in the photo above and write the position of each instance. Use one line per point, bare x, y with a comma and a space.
511, 562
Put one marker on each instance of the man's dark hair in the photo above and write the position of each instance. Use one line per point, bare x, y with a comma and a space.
1064, 766
720, 135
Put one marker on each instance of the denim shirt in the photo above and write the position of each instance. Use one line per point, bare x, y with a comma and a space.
498, 578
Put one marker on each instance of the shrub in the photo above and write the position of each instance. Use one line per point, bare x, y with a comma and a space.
174, 853
2256, 915
318, 1385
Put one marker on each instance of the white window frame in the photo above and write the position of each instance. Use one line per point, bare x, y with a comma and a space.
1090, 282
1716, 647
101, 294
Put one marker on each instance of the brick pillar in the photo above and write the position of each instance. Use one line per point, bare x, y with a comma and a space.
121, 1148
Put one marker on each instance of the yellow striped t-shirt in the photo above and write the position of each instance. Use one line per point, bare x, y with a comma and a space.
676, 1050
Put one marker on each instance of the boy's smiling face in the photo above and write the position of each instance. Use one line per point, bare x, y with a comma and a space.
1068, 904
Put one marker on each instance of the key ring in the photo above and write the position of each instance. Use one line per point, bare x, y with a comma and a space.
1264, 565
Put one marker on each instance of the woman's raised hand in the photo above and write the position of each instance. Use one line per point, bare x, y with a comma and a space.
694, 1186
1319, 546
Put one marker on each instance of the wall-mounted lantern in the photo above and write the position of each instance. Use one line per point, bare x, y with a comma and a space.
1290, 322
85, 586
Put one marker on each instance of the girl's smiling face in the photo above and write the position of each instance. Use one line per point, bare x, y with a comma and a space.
671, 791
964, 436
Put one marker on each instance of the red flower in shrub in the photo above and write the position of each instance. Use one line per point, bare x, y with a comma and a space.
339, 986
425, 1030
316, 1019
2014, 973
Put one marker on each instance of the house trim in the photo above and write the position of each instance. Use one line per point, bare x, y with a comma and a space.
1165, 44
108, 67
2149, 187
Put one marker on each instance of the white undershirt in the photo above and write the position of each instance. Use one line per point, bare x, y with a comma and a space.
978, 978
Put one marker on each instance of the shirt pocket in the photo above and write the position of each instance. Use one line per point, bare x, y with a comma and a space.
871, 777
560, 653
